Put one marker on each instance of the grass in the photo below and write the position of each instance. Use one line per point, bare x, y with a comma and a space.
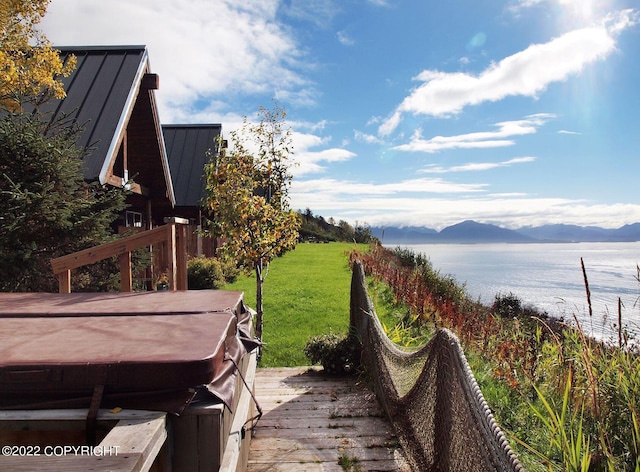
306, 293
349, 463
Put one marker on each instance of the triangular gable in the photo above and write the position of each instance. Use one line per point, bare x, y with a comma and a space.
111, 95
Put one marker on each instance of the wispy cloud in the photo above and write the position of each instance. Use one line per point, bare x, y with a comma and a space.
478, 140
184, 38
345, 39
526, 73
564, 131
366, 138
573, 11
318, 12
476, 166
341, 190
380, 3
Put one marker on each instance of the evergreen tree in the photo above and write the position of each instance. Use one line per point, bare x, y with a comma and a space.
46, 208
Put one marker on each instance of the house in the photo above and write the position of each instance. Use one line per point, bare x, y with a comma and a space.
189, 147
111, 95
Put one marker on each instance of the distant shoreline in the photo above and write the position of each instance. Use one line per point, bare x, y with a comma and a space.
472, 232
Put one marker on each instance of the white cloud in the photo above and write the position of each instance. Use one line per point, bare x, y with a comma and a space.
202, 50
391, 204
476, 166
526, 73
478, 140
345, 39
308, 161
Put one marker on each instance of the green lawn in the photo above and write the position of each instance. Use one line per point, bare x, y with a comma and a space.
306, 293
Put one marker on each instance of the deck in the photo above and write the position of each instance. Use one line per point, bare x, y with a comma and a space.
311, 420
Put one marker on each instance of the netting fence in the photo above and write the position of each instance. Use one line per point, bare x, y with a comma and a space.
430, 395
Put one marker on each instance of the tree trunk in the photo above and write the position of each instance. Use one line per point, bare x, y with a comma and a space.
259, 282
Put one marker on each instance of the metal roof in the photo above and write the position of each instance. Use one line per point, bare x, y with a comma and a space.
187, 147
101, 93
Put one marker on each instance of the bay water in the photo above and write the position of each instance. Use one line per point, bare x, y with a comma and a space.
549, 276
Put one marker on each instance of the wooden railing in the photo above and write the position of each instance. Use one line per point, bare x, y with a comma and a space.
169, 241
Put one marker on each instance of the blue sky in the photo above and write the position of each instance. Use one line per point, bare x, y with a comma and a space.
407, 112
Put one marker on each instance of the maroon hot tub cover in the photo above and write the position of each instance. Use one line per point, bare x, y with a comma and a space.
150, 350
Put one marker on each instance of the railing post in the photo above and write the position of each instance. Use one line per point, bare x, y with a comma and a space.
171, 255
181, 257
177, 252
64, 281
126, 278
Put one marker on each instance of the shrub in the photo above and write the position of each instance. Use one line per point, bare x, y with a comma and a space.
507, 306
230, 269
205, 273
338, 354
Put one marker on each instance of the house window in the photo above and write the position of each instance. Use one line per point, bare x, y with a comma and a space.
134, 219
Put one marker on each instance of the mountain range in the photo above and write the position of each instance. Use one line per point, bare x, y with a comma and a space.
470, 231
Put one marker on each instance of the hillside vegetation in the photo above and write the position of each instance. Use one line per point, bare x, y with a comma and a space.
314, 228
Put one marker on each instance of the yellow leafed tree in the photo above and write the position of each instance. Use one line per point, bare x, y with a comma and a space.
29, 67
247, 194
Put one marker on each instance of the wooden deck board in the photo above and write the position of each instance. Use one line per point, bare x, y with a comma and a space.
311, 419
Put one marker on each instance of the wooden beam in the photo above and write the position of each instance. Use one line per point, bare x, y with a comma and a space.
116, 181
150, 82
144, 437
125, 157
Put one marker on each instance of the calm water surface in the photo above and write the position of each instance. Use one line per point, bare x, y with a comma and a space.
549, 277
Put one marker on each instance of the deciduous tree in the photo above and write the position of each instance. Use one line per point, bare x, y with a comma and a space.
30, 68
247, 193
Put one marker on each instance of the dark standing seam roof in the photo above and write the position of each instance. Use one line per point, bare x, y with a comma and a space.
187, 147
98, 94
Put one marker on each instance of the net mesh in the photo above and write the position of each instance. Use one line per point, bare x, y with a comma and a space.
430, 395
